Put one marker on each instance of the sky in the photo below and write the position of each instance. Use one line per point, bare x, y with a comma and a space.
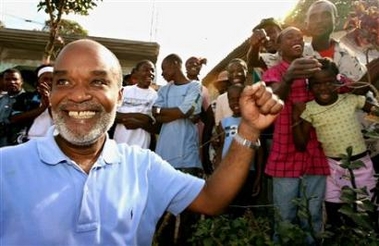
208, 28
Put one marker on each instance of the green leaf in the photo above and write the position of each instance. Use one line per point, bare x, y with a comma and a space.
356, 165
347, 210
362, 220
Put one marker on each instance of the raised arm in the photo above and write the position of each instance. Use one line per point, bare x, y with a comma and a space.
29, 115
259, 108
253, 59
300, 127
300, 68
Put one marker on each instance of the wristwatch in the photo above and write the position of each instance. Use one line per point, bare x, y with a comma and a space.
247, 143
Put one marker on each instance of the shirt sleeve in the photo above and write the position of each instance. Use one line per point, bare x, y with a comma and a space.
271, 75
361, 100
173, 187
192, 98
349, 65
160, 101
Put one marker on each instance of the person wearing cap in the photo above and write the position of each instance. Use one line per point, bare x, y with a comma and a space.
262, 53
193, 67
43, 121
29, 105
222, 82
237, 73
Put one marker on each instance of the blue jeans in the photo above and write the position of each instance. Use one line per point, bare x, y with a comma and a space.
287, 189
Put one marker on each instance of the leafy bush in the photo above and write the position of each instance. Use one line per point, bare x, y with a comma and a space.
257, 231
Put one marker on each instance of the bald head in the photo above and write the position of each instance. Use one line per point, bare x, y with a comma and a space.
322, 5
90, 50
86, 90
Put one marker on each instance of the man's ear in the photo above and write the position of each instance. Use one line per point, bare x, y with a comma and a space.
120, 96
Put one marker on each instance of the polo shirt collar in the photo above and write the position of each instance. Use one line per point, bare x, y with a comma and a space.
51, 154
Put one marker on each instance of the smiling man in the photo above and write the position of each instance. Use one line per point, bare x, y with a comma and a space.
78, 187
135, 124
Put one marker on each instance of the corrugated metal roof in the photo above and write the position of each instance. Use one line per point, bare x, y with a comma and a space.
24, 44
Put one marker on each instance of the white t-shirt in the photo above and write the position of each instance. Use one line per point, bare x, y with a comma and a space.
41, 125
135, 100
222, 108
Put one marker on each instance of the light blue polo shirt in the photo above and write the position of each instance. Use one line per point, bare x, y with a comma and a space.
46, 199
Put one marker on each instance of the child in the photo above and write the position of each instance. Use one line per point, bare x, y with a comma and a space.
292, 170
334, 118
228, 127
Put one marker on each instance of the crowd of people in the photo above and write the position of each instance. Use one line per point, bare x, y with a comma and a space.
93, 157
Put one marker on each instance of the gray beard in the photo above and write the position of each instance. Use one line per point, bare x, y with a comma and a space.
80, 138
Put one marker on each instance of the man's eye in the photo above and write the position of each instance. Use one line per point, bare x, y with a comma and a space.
62, 82
99, 82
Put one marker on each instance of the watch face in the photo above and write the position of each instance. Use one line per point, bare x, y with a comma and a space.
158, 110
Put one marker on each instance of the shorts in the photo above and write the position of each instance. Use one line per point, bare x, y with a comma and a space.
340, 177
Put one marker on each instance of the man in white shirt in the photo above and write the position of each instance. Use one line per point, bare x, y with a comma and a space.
134, 120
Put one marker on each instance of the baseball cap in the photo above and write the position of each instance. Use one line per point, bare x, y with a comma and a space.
222, 76
267, 22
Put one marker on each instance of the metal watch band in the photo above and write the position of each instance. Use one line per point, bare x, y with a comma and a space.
247, 143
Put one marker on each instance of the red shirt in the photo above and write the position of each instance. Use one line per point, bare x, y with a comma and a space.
284, 160
328, 52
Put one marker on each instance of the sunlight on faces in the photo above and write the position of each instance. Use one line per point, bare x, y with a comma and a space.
85, 109
321, 9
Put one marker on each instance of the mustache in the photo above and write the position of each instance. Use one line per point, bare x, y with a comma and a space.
82, 106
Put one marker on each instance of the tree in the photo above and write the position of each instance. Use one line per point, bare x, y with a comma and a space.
55, 9
67, 27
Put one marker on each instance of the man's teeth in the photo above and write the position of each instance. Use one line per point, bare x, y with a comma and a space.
297, 46
81, 114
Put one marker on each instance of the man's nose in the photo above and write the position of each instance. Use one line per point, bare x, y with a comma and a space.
80, 93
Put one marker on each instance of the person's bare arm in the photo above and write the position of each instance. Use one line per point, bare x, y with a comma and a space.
170, 114
31, 114
300, 127
136, 120
221, 136
300, 68
259, 108
253, 59
258, 162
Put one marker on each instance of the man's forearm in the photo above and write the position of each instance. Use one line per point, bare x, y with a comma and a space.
230, 175
166, 115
